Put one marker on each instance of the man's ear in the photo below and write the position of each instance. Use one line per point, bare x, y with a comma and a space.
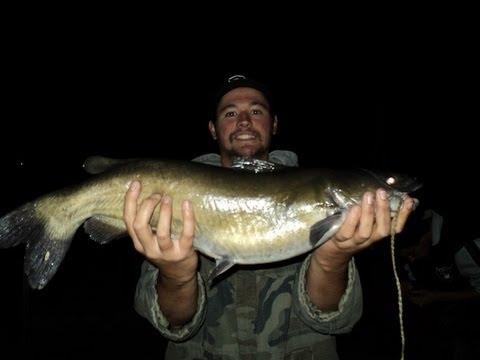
275, 124
213, 132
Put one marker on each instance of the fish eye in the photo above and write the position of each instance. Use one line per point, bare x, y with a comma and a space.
391, 180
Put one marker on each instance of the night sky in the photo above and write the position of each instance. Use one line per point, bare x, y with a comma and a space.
61, 111
63, 106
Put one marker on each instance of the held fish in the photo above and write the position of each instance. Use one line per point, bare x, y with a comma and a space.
265, 214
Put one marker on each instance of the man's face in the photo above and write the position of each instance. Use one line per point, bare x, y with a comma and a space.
244, 125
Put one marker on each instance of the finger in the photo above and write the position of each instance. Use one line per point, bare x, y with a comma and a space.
142, 225
163, 231
367, 218
130, 211
130, 203
188, 232
403, 213
382, 214
347, 230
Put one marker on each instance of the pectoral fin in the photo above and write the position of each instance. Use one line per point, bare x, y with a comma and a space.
326, 228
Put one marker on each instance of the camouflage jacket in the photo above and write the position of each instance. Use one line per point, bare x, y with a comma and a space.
254, 312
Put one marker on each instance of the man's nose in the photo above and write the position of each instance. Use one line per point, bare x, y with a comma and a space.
244, 119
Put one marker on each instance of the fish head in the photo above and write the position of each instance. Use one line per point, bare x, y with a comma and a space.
397, 181
397, 186
349, 191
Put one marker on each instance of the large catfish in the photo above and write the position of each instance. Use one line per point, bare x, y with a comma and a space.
262, 214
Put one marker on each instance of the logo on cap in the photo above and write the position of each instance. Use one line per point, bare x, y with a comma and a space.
236, 78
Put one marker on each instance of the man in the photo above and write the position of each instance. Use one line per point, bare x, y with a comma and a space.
289, 309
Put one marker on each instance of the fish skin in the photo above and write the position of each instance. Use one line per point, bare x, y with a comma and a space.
242, 217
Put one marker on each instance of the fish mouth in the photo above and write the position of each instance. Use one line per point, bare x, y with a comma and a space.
396, 200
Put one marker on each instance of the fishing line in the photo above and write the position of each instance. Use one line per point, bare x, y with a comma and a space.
397, 282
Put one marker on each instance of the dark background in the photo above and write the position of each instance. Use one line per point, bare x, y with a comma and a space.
67, 97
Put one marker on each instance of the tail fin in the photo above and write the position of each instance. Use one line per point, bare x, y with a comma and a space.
43, 253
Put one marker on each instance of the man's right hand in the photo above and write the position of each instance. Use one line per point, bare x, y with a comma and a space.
174, 256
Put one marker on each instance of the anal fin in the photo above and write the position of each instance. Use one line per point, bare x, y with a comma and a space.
103, 229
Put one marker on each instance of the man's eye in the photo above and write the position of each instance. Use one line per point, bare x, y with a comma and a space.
256, 112
230, 114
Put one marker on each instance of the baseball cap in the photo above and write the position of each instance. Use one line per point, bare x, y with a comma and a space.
237, 81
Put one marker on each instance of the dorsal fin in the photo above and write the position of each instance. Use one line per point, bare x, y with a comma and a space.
97, 164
